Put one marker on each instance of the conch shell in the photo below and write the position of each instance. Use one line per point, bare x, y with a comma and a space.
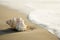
17, 23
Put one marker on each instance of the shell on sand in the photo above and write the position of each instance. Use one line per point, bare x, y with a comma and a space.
17, 23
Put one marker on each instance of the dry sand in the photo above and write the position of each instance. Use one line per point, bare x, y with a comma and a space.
6, 34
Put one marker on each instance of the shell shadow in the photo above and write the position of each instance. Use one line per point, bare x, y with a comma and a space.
7, 31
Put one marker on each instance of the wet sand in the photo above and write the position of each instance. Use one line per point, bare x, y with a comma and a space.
7, 34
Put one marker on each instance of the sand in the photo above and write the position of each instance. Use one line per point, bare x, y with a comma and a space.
6, 34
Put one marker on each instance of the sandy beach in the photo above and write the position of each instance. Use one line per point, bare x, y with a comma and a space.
6, 34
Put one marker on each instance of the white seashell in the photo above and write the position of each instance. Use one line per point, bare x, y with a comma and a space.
17, 23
